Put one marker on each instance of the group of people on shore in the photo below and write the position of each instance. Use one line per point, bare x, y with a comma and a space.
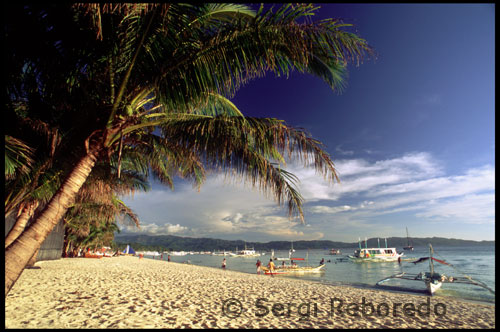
271, 266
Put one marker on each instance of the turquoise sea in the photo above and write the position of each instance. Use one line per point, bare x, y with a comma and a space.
475, 262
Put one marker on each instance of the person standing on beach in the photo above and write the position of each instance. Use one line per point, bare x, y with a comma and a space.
168, 258
224, 264
270, 266
258, 266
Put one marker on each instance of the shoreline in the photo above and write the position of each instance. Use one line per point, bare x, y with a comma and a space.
127, 292
362, 286
408, 292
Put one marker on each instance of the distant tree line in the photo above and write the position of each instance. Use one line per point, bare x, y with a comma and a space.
178, 243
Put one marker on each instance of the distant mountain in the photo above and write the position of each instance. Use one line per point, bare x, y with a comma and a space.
171, 242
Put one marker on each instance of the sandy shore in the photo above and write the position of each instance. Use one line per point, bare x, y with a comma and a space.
127, 292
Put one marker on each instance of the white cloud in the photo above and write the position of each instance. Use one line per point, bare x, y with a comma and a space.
155, 229
414, 184
343, 152
467, 198
472, 208
330, 209
357, 175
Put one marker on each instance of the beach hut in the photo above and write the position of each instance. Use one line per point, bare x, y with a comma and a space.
129, 250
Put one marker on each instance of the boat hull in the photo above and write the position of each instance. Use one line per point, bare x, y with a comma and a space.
376, 255
246, 255
433, 286
375, 259
291, 270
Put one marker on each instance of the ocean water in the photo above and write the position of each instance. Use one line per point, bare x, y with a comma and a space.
475, 262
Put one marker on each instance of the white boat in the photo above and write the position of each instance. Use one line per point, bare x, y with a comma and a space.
335, 252
290, 253
149, 253
221, 253
293, 269
247, 252
178, 253
433, 281
375, 254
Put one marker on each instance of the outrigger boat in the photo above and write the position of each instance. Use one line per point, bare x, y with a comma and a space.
375, 254
433, 281
293, 268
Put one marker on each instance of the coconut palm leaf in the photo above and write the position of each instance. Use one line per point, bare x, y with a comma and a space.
246, 145
18, 157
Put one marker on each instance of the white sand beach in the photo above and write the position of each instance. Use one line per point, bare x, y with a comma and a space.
128, 292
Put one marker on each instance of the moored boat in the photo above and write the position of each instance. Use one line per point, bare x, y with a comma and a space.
247, 252
375, 254
408, 245
221, 253
149, 253
293, 269
433, 281
178, 253
335, 252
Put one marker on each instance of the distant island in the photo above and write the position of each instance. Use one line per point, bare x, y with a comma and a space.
177, 243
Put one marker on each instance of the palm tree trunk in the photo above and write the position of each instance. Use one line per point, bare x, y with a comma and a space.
22, 220
19, 253
67, 246
32, 261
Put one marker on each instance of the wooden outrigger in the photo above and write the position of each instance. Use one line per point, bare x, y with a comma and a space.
433, 281
292, 268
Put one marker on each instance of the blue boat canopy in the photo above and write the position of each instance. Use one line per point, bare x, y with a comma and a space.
129, 250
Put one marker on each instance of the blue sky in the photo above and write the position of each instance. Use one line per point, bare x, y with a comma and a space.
412, 137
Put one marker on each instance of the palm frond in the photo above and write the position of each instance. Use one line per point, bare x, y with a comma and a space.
223, 60
18, 157
247, 146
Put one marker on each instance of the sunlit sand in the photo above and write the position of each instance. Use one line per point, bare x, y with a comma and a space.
128, 292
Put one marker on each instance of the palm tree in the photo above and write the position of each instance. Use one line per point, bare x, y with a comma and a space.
149, 74
97, 208
37, 181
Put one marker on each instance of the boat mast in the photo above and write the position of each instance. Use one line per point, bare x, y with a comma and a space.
431, 264
407, 237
